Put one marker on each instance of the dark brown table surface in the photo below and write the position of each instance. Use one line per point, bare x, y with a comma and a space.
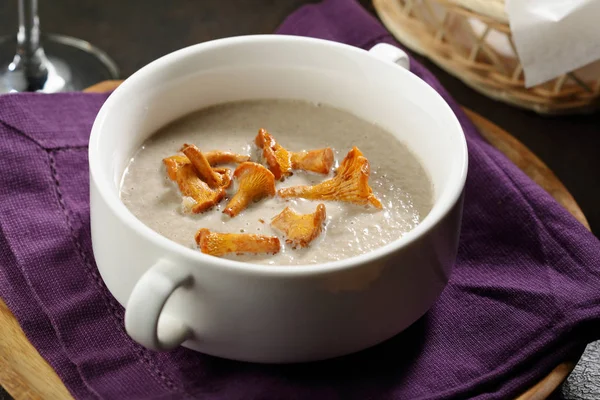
135, 32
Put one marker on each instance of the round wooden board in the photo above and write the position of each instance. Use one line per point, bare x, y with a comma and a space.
26, 375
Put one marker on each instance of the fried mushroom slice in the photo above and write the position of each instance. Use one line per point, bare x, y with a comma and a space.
281, 161
225, 174
192, 186
219, 244
254, 183
215, 157
319, 161
173, 163
300, 229
275, 156
350, 184
199, 161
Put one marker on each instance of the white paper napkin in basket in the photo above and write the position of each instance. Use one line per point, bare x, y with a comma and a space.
553, 37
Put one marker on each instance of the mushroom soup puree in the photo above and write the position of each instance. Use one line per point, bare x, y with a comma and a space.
397, 178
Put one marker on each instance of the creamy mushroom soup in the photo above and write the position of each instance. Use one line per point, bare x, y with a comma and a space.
397, 179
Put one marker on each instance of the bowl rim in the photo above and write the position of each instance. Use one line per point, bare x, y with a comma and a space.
104, 185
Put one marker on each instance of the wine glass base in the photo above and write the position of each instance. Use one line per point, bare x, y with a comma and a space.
74, 65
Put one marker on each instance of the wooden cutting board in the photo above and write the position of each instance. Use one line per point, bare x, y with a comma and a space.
26, 375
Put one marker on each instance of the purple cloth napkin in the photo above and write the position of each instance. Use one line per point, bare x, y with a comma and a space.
524, 294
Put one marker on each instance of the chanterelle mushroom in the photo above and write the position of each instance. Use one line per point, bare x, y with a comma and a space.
276, 157
319, 161
280, 161
300, 229
254, 183
205, 171
192, 186
215, 157
173, 163
218, 244
350, 184
225, 174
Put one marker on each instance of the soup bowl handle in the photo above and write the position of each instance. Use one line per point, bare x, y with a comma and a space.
146, 303
387, 52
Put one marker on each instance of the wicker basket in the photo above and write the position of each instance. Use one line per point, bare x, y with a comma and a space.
471, 39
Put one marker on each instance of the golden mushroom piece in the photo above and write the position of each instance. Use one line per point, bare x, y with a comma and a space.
275, 156
173, 163
254, 183
219, 244
319, 161
225, 174
192, 186
281, 161
197, 180
205, 171
215, 157
350, 184
300, 229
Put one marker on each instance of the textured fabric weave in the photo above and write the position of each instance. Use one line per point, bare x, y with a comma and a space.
524, 294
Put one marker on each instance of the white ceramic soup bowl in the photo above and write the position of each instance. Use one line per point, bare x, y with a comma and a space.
174, 295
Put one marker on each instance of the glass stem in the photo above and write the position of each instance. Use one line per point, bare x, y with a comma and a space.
30, 57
